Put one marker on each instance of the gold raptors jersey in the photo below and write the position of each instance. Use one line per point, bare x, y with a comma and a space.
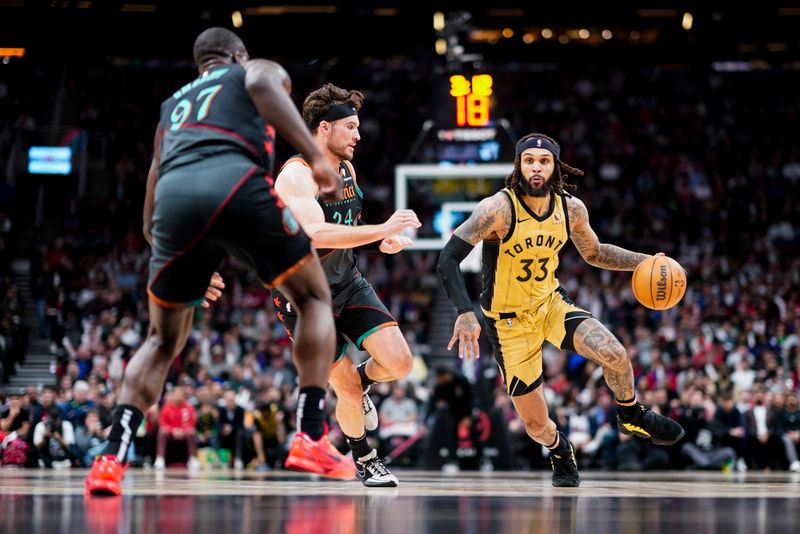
519, 272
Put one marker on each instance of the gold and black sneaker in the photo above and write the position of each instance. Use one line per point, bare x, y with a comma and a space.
565, 468
646, 423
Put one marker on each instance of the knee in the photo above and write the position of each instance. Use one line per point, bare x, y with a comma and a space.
402, 365
397, 362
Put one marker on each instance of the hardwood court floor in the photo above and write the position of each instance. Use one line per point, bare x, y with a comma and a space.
174, 501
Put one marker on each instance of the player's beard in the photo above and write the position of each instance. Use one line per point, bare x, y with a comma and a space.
341, 152
528, 189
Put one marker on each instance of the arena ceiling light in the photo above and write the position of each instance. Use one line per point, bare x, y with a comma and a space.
12, 52
290, 10
138, 8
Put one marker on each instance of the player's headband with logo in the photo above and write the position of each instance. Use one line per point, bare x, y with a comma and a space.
538, 142
336, 112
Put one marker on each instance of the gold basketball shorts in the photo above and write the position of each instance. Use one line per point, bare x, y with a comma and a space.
517, 338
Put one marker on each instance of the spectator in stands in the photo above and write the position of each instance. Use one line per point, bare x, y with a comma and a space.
54, 437
762, 432
729, 428
700, 445
90, 438
231, 427
75, 410
269, 435
176, 424
207, 425
398, 417
789, 422
14, 414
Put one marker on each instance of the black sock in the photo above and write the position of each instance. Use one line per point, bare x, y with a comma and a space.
125, 423
362, 372
359, 446
311, 412
628, 410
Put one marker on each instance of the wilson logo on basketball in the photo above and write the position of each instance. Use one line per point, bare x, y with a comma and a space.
661, 283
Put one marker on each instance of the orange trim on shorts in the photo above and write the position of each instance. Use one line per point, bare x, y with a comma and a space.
278, 280
167, 305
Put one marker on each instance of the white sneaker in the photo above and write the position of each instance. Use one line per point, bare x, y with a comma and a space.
795, 467
62, 464
373, 473
450, 468
159, 464
741, 465
238, 464
370, 413
193, 464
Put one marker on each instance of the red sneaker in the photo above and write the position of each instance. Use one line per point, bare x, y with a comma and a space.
105, 477
319, 457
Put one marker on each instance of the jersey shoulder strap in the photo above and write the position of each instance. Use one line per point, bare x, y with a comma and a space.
298, 159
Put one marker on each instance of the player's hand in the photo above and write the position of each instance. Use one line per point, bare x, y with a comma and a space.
399, 221
466, 331
394, 244
330, 186
214, 290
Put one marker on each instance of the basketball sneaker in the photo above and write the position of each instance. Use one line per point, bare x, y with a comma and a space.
319, 457
565, 468
646, 423
105, 477
373, 473
370, 413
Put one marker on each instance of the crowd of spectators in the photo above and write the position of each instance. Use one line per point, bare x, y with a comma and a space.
699, 164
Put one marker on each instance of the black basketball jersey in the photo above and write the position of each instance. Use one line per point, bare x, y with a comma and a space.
214, 114
339, 264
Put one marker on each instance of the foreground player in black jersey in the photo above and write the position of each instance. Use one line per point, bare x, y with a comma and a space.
209, 194
335, 228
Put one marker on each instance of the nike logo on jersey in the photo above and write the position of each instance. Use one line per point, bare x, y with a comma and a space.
523, 220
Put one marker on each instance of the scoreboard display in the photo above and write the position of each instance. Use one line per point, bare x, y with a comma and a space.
472, 102
466, 119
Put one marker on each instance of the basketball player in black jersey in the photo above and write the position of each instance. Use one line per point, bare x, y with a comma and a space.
209, 194
335, 228
523, 229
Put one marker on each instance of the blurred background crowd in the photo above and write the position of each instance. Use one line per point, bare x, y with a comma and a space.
697, 162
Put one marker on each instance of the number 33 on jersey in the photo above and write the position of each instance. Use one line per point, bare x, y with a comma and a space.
519, 270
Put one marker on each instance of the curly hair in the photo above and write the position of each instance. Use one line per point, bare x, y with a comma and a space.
558, 181
323, 98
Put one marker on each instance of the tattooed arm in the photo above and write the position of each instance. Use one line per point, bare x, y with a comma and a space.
593, 251
490, 220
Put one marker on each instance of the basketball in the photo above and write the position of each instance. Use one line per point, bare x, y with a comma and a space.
659, 282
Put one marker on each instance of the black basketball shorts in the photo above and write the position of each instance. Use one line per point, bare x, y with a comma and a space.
357, 312
225, 205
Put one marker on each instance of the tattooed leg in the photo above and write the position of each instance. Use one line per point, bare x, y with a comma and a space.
594, 341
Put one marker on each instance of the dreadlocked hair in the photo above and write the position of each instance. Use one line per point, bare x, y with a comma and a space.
558, 181
323, 98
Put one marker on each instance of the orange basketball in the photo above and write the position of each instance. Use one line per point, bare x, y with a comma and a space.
659, 282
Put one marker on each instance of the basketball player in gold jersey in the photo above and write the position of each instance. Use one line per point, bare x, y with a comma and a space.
523, 228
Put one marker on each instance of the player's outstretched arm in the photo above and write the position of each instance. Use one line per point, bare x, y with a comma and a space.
595, 253
490, 220
297, 189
